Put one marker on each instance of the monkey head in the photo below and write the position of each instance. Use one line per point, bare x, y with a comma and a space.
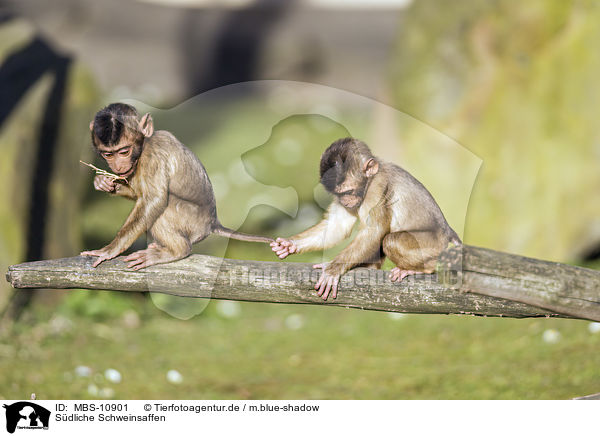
118, 136
345, 169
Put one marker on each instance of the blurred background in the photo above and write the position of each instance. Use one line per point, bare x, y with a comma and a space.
491, 103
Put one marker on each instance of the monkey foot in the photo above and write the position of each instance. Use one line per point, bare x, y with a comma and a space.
143, 258
397, 274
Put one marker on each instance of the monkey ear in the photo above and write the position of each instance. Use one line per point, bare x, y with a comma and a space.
371, 167
146, 125
91, 126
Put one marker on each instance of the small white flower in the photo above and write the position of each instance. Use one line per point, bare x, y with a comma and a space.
294, 321
173, 376
551, 336
83, 371
131, 319
93, 390
594, 327
112, 375
229, 309
59, 324
107, 392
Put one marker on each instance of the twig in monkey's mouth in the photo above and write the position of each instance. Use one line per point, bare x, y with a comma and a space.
105, 173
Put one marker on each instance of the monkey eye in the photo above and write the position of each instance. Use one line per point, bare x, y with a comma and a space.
125, 151
106, 154
348, 192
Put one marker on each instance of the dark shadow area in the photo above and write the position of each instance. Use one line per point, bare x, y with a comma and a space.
5, 15
46, 151
21, 70
18, 74
237, 46
592, 254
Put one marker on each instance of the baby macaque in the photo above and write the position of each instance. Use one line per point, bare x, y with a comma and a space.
173, 196
398, 218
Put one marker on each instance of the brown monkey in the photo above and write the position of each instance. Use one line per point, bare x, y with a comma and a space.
173, 196
398, 218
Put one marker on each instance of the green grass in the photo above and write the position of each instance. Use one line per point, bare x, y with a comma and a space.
336, 353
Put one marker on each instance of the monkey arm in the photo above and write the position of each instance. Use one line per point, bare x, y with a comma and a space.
334, 228
151, 202
123, 190
140, 219
365, 247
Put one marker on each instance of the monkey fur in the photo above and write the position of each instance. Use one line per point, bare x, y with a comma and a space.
173, 195
398, 218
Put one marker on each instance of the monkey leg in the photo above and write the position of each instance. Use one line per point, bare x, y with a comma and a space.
412, 252
170, 243
373, 265
177, 248
375, 261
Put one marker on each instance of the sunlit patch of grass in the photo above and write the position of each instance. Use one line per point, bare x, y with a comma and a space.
266, 352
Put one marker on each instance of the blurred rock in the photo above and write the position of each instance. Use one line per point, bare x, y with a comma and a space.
524, 101
48, 100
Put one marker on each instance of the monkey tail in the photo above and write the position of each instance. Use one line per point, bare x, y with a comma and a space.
220, 230
453, 237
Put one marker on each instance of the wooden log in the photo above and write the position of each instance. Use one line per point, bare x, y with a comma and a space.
560, 288
589, 397
472, 269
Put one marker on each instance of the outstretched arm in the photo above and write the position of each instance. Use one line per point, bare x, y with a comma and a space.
334, 228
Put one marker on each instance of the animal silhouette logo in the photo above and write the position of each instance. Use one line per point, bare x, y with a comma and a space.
26, 415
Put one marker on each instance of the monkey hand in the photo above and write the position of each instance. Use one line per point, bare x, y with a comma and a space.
328, 281
104, 183
283, 247
102, 255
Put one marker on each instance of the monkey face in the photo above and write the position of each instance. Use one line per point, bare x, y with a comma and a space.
338, 173
350, 191
350, 201
121, 158
118, 136
345, 168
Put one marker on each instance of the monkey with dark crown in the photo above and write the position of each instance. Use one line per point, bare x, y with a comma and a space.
174, 199
397, 215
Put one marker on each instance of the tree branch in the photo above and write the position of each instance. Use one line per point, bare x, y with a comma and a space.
470, 280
